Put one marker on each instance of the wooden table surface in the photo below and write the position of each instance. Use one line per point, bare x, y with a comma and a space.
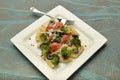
102, 15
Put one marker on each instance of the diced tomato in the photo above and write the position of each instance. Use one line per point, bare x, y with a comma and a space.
65, 38
55, 46
58, 25
50, 38
49, 27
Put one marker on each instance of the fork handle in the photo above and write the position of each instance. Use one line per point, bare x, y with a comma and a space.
37, 12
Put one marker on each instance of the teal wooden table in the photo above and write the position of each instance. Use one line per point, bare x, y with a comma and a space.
102, 15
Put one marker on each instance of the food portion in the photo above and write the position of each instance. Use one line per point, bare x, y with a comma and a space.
59, 43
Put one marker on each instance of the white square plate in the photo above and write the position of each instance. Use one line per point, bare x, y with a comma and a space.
25, 42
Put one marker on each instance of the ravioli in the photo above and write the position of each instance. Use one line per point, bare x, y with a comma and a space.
58, 43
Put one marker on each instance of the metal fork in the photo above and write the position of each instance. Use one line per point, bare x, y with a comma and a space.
64, 21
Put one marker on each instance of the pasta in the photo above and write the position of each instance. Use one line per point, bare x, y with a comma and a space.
59, 43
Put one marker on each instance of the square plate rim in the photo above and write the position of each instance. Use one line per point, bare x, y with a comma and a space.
92, 31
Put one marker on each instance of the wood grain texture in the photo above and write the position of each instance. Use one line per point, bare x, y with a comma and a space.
102, 15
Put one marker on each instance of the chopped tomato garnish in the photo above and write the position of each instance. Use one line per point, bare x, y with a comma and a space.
65, 38
49, 27
50, 38
58, 25
55, 46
